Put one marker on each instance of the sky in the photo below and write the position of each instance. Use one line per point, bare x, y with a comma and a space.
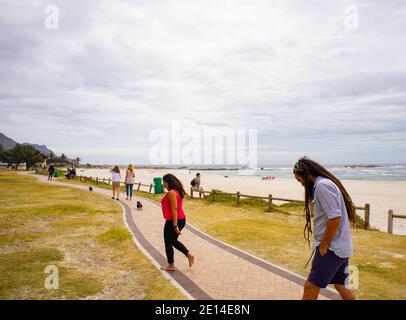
326, 79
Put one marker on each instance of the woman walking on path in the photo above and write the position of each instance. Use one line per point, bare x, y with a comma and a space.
116, 178
333, 213
175, 220
129, 181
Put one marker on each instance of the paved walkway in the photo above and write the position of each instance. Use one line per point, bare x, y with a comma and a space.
221, 271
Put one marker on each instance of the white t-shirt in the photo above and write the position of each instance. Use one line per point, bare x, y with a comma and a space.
116, 177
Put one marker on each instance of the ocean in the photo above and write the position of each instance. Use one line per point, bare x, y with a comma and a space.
344, 172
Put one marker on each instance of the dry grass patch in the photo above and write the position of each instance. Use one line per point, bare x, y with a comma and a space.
82, 233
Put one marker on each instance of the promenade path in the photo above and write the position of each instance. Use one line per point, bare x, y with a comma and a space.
221, 271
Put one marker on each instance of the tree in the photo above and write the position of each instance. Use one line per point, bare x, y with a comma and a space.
18, 155
22, 154
51, 158
63, 159
77, 161
1, 148
31, 156
7, 157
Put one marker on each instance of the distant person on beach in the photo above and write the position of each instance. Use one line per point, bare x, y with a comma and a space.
195, 183
51, 172
333, 213
129, 181
175, 220
116, 178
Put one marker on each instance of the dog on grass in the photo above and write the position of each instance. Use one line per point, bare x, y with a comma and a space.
139, 205
90, 188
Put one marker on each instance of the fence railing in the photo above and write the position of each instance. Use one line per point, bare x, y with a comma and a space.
366, 208
392, 216
98, 180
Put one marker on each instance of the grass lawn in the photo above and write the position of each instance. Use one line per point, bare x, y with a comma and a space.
82, 234
277, 236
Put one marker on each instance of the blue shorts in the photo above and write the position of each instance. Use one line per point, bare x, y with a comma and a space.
327, 269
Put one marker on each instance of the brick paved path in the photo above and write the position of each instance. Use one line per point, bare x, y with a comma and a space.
220, 271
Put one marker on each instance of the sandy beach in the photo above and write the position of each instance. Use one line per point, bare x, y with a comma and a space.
381, 195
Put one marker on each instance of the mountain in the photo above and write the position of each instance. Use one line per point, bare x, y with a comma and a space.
41, 148
9, 143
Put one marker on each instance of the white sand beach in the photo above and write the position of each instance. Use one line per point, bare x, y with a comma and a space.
381, 195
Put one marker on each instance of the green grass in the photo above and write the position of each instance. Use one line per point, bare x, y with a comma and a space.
81, 233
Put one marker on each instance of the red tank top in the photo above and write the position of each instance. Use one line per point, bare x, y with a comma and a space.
166, 207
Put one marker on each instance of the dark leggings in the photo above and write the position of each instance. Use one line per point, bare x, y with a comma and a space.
171, 239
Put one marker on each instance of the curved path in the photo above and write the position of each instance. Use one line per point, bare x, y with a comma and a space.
221, 271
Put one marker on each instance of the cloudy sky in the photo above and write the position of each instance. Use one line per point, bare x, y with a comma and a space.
302, 73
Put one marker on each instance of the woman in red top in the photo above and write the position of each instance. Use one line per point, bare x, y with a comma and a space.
175, 220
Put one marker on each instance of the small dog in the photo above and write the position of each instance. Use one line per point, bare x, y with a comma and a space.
139, 205
90, 188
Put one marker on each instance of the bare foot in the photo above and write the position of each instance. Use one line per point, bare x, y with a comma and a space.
191, 259
168, 268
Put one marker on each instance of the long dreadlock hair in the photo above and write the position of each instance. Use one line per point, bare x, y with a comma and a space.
306, 168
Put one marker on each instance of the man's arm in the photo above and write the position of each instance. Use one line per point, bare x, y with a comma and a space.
331, 230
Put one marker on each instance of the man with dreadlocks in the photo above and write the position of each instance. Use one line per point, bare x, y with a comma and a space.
333, 213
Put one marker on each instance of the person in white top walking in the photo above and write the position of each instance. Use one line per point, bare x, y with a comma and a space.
129, 181
116, 178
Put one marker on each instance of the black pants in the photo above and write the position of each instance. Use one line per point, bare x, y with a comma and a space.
50, 175
171, 239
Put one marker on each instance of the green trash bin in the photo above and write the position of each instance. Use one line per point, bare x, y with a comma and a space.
158, 187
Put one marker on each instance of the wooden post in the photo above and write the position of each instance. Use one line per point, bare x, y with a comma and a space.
238, 197
200, 193
191, 192
104, 180
213, 194
97, 180
150, 188
139, 186
390, 221
109, 181
269, 201
366, 217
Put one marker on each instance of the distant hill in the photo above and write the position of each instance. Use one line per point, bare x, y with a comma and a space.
41, 148
9, 143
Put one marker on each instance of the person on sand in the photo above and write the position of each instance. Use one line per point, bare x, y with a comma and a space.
333, 213
116, 178
195, 183
129, 181
175, 220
